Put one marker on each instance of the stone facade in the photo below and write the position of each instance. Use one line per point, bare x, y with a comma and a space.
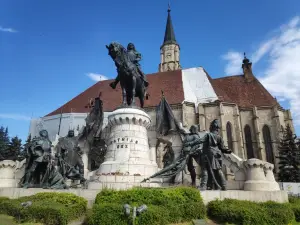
169, 58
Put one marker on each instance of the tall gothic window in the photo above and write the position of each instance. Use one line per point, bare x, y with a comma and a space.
268, 144
249, 144
229, 135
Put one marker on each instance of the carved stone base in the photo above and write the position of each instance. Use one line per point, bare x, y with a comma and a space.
128, 151
8, 183
255, 196
7, 173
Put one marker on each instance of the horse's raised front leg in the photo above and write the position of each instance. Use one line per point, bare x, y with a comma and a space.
133, 90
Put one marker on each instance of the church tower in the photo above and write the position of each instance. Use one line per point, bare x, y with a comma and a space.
169, 51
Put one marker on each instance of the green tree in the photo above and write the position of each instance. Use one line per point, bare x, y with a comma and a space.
15, 147
28, 140
289, 157
4, 139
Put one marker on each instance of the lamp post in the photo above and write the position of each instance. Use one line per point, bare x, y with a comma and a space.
25, 205
136, 211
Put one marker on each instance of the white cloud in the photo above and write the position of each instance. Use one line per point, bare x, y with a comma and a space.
234, 62
6, 29
281, 73
14, 116
97, 77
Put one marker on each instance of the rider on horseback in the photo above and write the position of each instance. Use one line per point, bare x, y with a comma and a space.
134, 57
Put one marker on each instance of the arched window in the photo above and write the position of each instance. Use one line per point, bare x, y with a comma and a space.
229, 135
268, 144
249, 144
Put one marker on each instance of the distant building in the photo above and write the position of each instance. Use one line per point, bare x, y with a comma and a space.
252, 120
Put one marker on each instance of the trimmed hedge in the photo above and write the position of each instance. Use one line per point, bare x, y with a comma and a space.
3, 198
49, 208
295, 204
250, 213
165, 205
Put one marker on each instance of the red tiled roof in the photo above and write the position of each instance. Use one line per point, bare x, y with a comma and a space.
170, 82
236, 89
233, 89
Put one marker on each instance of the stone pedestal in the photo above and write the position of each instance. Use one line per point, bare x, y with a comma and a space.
268, 169
128, 158
7, 173
256, 180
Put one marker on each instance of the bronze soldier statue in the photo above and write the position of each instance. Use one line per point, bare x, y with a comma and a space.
134, 57
211, 157
207, 151
69, 158
189, 152
39, 155
189, 138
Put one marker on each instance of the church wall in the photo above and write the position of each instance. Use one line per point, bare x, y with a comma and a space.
288, 119
266, 117
281, 118
51, 124
227, 115
247, 119
189, 116
211, 112
68, 121
282, 122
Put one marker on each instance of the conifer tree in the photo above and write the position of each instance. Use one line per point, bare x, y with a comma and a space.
289, 157
28, 140
15, 147
4, 139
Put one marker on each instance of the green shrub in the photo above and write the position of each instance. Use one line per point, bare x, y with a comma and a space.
155, 215
278, 212
165, 205
107, 214
250, 213
153, 196
49, 208
3, 198
295, 204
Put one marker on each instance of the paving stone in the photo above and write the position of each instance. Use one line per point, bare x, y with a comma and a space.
199, 222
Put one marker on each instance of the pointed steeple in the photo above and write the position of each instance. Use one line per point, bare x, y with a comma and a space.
169, 33
170, 50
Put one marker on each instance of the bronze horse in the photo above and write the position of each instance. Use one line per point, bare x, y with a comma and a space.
130, 80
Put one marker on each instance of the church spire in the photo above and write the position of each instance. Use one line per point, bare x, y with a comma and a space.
169, 32
169, 51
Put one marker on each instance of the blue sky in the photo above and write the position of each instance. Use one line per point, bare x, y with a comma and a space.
48, 48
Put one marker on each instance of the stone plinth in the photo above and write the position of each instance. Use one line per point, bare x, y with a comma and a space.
268, 169
256, 179
7, 173
207, 196
128, 156
255, 196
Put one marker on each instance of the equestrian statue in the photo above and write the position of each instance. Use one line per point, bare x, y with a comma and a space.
130, 75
